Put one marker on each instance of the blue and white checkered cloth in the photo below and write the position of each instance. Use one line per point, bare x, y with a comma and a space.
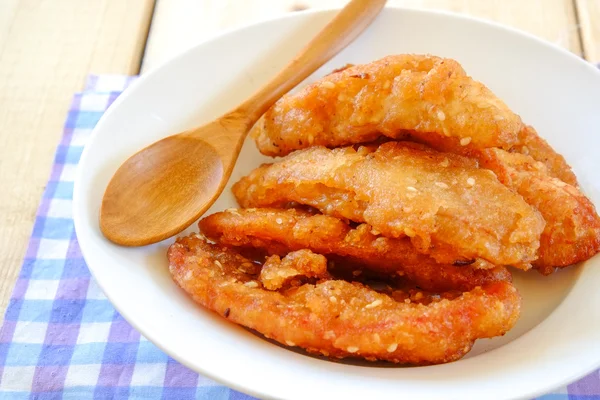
61, 338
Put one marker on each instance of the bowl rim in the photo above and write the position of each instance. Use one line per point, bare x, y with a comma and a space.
140, 81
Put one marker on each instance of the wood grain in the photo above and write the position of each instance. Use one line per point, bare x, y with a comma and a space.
588, 12
46, 50
180, 24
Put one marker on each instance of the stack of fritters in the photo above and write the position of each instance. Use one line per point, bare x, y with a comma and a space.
406, 172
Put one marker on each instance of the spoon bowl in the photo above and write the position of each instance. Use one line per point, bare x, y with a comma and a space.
171, 183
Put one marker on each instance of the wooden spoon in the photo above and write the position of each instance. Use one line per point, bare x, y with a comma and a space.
164, 188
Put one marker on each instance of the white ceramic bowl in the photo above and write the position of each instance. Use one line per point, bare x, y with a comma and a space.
555, 342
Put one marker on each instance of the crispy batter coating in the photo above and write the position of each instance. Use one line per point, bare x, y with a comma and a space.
418, 94
277, 273
283, 231
572, 231
447, 206
530, 144
341, 319
418, 97
536, 147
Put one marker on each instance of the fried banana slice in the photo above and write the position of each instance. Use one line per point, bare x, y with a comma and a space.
572, 231
340, 319
449, 208
418, 97
280, 232
418, 94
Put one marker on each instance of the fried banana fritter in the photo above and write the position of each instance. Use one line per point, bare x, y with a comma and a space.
572, 231
418, 94
280, 232
449, 208
418, 97
340, 319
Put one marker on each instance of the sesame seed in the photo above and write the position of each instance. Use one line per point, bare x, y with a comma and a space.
362, 151
559, 183
311, 138
441, 116
392, 347
251, 284
441, 185
375, 232
411, 189
342, 97
374, 304
352, 349
410, 232
328, 85
290, 343
357, 272
329, 335
470, 181
333, 299
218, 264
418, 296
407, 209
380, 241
187, 275
200, 236
498, 118
525, 150
279, 221
465, 141
376, 337
445, 163
407, 301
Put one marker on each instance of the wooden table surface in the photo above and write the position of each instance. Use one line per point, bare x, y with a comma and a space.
48, 47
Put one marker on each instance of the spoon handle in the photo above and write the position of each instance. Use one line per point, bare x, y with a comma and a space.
340, 32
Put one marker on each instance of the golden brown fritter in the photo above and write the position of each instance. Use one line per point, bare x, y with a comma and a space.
572, 231
340, 319
448, 207
422, 98
280, 232
418, 94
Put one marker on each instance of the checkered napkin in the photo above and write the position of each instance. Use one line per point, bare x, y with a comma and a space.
62, 339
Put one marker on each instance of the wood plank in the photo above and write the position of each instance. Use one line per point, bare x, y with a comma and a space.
46, 50
588, 12
179, 24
